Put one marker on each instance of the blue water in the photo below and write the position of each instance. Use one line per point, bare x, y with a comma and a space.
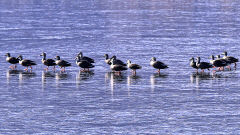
178, 101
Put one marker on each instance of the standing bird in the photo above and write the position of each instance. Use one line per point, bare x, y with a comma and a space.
193, 64
62, 63
107, 59
224, 61
26, 63
48, 62
218, 63
117, 67
117, 61
157, 64
83, 63
134, 67
12, 60
90, 60
230, 59
203, 65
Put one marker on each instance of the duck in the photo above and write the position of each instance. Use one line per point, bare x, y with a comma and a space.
230, 59
203, 65
83, 64
193, 63
12, 60
117, 67
26, 63
107, 59
224, 61
157, 64
62, 63
218, 63
90, 60
132, 66
117, 61
48, 62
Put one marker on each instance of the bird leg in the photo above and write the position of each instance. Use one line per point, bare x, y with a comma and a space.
235, 65
11, 66
31, 67
229, 67
15, 66
26, 69
46, 68
54, 68
158, 71
134, 72
202, 70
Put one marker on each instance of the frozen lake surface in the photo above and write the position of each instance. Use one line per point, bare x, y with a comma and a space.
175, 102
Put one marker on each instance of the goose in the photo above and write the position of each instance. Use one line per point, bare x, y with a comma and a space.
26, 63
203, 65
117, 67
157, 64
107, 59
217, 63
90, 60
83, 63
193, 63
62, 63
48, 62
12, 60
230, 59
117, 61
134, 67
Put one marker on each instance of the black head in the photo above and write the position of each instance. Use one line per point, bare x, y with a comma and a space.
7, 54
20, 57
114, 57
224, 53
80, 54
218, 56
191, 59
106, 56
212, 57
153, 59
57, 57
43, 54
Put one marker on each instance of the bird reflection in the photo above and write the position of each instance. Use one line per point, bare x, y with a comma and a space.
153, 79
23, 75
82, 76
196, 78
60, 77
113, 79
131, 80
45, 76
11, 73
